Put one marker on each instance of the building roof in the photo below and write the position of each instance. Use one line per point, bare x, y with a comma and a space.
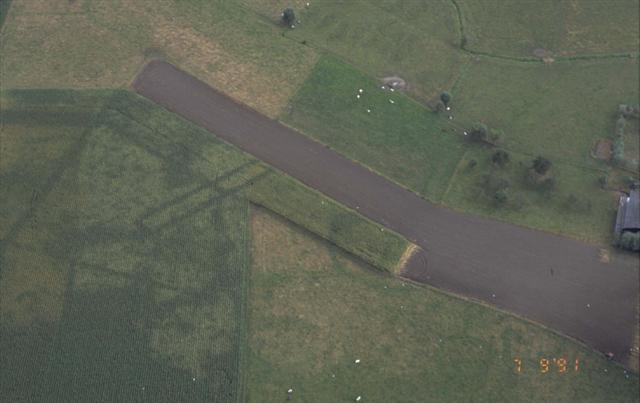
632, 211
628, 217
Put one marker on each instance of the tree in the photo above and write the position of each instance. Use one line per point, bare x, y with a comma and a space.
500, 158
496, 137
479, 132
618, 150
445, 97
288, 16
541, 165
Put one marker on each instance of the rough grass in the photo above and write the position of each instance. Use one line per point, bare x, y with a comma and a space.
314, 311
220, 42
402, 141
591, 218
567, 28
410, 39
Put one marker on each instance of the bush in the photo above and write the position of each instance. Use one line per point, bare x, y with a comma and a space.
479, 132
544, 183
463, 41
629, 111
288, 16
472, 164
618, 150
541, 165
620, 124
603, 181
496, 137
630, 241
445, 97
500, 158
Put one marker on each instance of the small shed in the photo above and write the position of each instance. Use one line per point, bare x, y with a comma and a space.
628, 218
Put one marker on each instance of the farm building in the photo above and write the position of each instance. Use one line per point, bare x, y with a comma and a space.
628, 218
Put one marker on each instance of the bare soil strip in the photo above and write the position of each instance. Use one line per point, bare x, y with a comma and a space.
555, 281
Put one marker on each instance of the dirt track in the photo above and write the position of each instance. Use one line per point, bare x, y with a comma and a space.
552, 280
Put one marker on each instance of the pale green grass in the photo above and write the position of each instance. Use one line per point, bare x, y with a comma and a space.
632, 139
556, 110
314, 311
565, 28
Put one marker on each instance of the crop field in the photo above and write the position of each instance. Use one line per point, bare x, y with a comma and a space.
568, 28
125, 269
314, 311
124, 249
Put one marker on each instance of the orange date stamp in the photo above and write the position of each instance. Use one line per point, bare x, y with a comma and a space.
547, 365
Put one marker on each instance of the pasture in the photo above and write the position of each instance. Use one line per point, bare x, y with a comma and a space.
314, 311
127, 235
563, 29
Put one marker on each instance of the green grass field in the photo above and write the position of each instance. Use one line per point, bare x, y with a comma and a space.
314, 311
127, 234
567, 28
577, 207
557, 110
401, 140
124, 249
410, 39
423, 151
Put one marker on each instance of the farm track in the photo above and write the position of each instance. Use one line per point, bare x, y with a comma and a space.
555, 281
